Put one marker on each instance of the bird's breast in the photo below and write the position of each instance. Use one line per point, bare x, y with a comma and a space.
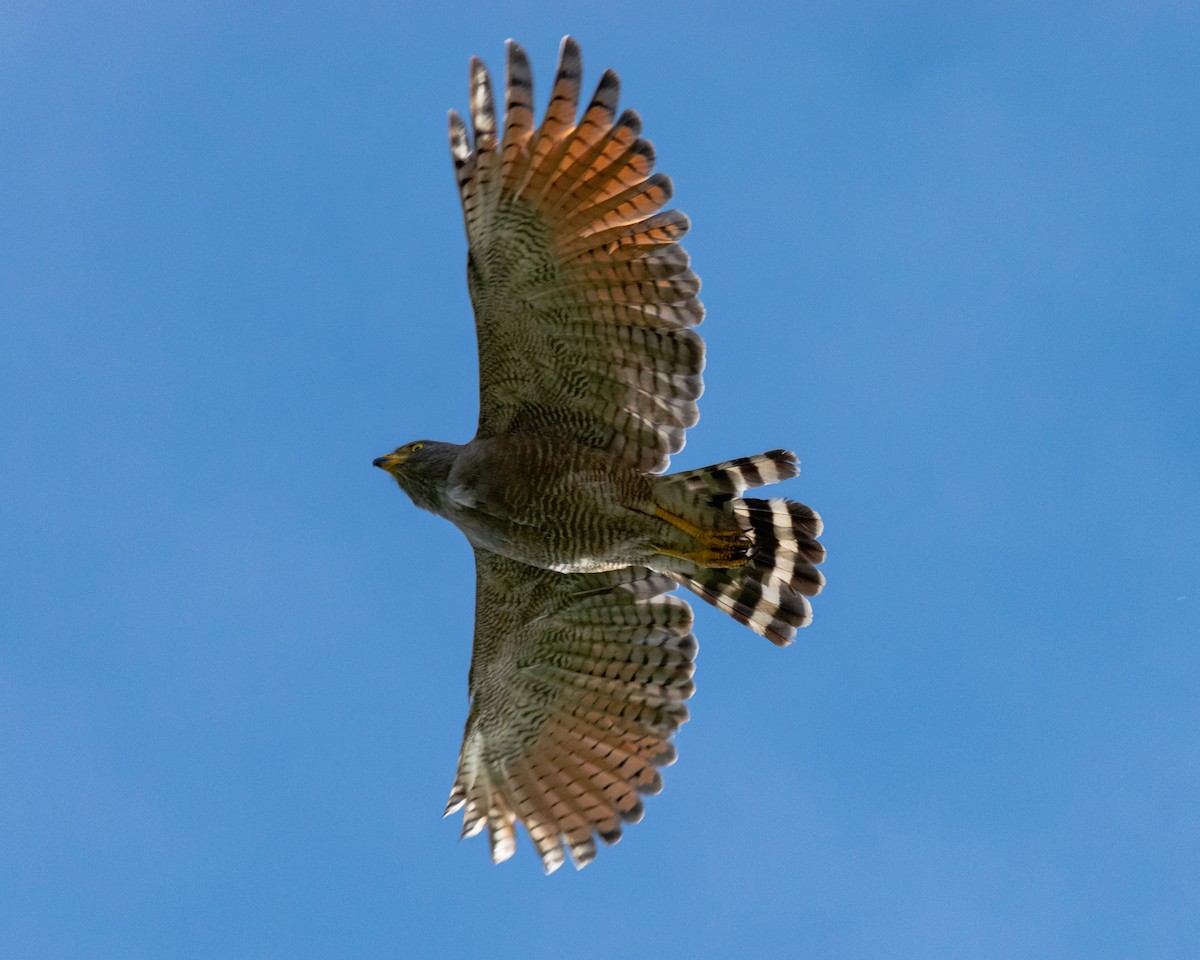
551, 504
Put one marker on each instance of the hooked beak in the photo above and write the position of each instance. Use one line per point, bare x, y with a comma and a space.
387, 462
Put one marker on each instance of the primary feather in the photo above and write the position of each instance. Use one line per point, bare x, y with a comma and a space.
583, 298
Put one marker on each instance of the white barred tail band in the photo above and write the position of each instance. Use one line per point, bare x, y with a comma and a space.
769, 594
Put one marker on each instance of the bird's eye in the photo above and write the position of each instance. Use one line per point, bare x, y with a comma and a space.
417, 446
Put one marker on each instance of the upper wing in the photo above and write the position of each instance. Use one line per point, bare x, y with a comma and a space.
577, 683
583, 298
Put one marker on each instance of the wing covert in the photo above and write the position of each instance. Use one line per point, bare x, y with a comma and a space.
577, 684
584, 300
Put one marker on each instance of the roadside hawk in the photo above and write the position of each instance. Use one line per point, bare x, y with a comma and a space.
589, 369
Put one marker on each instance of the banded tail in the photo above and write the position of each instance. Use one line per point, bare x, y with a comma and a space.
770, 592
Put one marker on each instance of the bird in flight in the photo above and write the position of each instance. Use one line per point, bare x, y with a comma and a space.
589, 373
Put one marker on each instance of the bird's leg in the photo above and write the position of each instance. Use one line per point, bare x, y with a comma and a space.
717, 548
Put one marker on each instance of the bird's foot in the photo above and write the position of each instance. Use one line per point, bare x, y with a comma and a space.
717, 548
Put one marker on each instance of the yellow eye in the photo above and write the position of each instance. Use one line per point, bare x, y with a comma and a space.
417, 446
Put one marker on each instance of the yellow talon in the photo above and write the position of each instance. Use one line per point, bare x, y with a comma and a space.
718, 548
677, 521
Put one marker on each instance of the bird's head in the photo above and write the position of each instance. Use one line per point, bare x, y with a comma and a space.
422, 469
394, 462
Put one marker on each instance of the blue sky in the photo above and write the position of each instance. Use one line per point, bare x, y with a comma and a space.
949, 255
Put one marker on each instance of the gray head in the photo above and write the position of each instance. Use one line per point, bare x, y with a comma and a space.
422, 469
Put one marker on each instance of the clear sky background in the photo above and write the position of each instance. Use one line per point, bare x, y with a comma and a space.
950, 258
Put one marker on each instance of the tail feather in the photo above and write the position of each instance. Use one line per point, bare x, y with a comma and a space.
771, 610
769, 594
735, 477
783, 550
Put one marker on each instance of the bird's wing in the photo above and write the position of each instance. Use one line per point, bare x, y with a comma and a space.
577, 684
583, 299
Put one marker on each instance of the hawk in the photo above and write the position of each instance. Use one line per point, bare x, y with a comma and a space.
589, 370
